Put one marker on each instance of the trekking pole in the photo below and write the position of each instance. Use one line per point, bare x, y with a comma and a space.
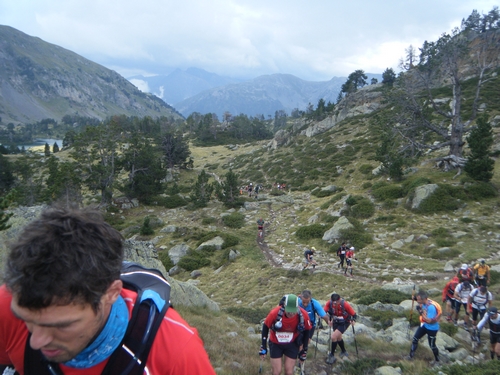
411, 311
355, 343
302, 365
473, 336
317, 335
260, 368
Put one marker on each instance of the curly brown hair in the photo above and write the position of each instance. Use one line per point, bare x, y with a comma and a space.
64, 256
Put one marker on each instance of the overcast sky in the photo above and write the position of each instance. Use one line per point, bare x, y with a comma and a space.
311, 39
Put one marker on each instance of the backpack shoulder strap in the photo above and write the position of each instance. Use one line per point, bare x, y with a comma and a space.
153, 300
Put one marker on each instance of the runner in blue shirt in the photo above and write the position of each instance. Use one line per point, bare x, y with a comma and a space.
312, 307
429, 324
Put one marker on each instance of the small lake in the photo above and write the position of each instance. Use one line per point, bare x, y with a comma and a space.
41, 142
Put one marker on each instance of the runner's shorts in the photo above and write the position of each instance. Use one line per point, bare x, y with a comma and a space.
290, 350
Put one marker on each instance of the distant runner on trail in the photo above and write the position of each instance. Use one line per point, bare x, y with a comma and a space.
429, 324
482, 273
289, 327
308, 255
341, 315
448, 298
260, 227
465, 273
462, 292
341, 254
479, 301
349, 255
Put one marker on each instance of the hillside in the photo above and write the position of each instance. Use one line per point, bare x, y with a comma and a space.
40, 80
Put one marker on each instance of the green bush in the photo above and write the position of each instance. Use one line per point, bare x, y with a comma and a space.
483, 368
448, 328
363, 209
310, 231
366, 168
413, 182
481, 190
235, 220
208, 220
357, 235
252, 316
146, 229
388, 192
441, 200
193, 260
229, 239
171, 201
383, 295
494, 277
366, 366
466, 220
165, 260
367, 185
383, 319
322, 193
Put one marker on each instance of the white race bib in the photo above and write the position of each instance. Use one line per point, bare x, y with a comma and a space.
284, 337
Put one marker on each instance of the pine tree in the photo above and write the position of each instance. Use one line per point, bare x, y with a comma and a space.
202, 190
479, 165
47, 150
146, 229
4, 216
228, 191
55, 148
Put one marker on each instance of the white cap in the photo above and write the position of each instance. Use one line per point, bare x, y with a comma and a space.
464, 266
352, 248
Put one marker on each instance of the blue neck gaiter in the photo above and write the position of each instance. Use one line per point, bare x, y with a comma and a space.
107, 341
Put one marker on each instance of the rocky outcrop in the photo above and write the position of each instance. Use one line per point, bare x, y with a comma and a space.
422, 193
334, 232
362, 102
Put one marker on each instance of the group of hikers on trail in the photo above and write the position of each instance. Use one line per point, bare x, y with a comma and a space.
251, 190
469, 289
290, 326
344, 252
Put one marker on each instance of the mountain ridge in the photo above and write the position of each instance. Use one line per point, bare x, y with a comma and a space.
42, 80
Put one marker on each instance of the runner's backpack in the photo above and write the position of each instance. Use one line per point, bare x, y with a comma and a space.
345, 314
153, 294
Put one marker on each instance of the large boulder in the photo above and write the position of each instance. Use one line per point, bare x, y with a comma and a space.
422, 193
216, 241
334, 232
177, 252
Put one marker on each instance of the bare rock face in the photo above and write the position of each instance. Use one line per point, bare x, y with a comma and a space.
334, 232
422, 193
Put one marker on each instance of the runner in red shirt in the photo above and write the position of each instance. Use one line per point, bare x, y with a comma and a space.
341, 316
64, 296
289, 325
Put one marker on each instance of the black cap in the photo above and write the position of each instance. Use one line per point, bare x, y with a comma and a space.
493, 310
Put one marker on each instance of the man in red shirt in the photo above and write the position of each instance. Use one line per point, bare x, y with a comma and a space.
341, 316
449, 299
63, 295
289, 325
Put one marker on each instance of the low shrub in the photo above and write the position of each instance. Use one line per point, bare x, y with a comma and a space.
235, 220
171, 201
165, 260
229, 239
448, 328
413, 182
466, 220
252, 316
322, 193
361, 366
146, 229
363, 209
382, 295
383, 319
356, 235
388, 192
366, 168
441, 200
194, 260
367, 185
208, 220
310, 231
481, 190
